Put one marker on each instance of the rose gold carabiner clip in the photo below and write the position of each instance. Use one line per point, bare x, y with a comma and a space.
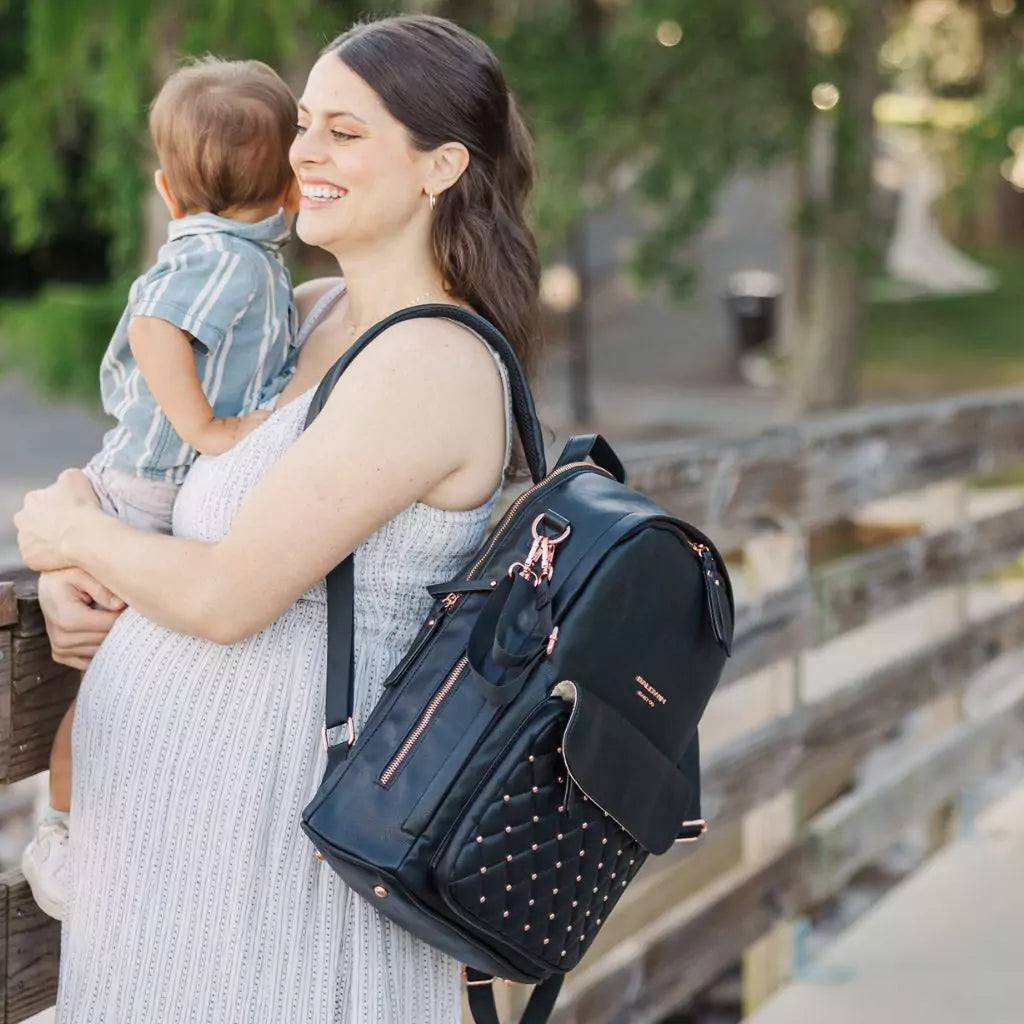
543, 550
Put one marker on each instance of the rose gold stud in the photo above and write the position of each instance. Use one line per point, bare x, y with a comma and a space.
505, 914
508, 828
546, 941
584, 824
624, 883
531, 759
598, 921
483, 899
613, 874
479, 839
380, 891
600, 864
483, 871
536, 789
551, 917
558, 864
587, 914
506, 798
536, 818
559, 836
583, 853
605, 840
508, 888
575, 903
595, 888
534, 846
509, 858
533, 878
526, 927
563, 952
560, 779
532, 902
559, 750
604, 899
554, 892
579, 878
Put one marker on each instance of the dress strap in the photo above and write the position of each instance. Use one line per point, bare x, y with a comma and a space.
321, 308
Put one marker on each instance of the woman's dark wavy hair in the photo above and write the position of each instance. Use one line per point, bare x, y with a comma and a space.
445, 85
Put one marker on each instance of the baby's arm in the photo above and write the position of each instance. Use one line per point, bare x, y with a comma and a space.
167, 363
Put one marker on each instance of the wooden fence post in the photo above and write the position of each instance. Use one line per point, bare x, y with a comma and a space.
773, 562
946, 506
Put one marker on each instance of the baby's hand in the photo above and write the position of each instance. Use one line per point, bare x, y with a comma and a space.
225, 432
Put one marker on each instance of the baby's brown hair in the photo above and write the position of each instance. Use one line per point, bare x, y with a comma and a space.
222, 130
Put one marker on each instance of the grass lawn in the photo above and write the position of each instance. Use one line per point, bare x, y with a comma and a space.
955, 343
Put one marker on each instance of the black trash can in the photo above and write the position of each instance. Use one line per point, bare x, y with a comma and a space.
751, 299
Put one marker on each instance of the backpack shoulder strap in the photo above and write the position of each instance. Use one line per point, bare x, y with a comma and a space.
339, 732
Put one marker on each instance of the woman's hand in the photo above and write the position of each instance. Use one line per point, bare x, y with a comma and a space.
47, 515
75, 627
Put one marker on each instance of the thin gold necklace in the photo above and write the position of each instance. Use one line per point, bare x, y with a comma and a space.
415, 301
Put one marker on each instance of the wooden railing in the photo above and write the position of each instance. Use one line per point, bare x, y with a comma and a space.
831, 656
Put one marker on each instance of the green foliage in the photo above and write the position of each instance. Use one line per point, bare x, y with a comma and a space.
615, 111
58, 337
89, 71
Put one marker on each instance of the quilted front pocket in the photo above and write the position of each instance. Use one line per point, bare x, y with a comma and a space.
533, 861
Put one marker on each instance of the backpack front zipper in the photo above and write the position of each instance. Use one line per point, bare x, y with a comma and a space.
424, 720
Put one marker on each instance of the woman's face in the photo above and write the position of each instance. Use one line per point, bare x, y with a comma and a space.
362, 180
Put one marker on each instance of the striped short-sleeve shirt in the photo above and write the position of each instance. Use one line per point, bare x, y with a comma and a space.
225, 284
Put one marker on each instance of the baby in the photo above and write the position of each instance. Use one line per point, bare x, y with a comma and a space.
207, 334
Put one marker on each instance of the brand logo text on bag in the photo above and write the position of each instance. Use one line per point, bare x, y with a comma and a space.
654, 698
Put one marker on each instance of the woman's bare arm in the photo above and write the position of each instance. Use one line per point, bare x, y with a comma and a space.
419, 405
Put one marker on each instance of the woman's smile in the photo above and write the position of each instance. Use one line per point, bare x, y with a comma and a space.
316, 192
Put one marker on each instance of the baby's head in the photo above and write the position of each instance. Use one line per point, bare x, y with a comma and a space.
222, 130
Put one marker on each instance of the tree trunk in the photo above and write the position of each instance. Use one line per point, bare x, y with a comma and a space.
825, 307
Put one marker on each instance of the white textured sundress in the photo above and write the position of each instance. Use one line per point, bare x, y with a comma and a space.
195, 895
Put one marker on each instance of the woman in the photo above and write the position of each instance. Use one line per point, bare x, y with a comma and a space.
195, 897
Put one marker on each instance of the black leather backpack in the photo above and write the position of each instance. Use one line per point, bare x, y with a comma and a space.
539, 738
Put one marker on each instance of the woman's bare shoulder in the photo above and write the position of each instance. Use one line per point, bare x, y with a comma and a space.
309, 293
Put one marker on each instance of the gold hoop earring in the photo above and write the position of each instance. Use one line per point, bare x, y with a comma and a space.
433, 201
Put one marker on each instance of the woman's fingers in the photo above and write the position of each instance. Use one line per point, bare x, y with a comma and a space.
98, 593
76, 628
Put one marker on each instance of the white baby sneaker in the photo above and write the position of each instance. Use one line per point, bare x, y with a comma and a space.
45, 866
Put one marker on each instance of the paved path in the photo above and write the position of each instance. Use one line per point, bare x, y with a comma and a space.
944, 947
37, 441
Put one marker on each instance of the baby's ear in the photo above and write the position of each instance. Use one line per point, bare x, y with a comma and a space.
169, 198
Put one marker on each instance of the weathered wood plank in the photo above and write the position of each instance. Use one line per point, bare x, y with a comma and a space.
8, 604
851, 592
659, 967
815, 470
756, 766
857, 827
33, 952
3, 952
32, 706
6, 697
30, 616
